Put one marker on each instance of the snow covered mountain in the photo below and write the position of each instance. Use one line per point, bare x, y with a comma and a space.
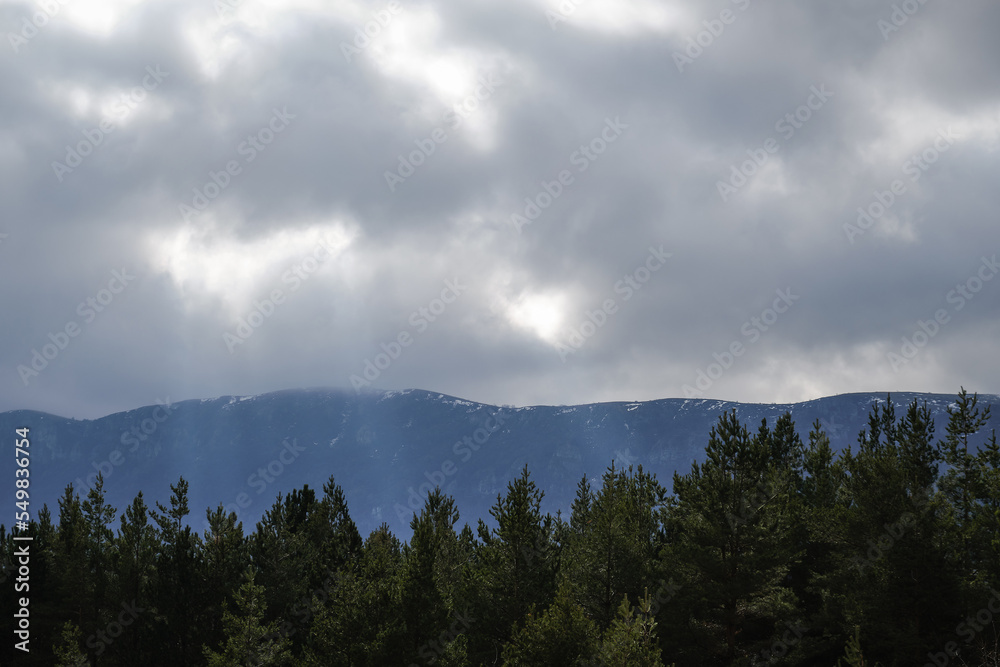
387, 449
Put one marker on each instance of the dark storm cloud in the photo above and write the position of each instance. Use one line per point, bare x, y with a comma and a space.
829, 107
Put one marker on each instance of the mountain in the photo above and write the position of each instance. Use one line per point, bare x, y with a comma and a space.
387, 449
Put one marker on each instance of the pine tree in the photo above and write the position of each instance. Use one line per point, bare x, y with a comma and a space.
358, 618
821, 507
133, 563
893, 578
562, 636
47, 604
177, 567
68, 652
74, 582
515, 569
298, 545
965, 484
613, 541
340, 542
225, 558
987, 528
98, 517
427, 586
631, 640
733, 521
249, 641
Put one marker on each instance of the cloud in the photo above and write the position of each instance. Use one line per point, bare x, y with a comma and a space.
494, 101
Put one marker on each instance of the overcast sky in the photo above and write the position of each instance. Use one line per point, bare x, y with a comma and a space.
590, 201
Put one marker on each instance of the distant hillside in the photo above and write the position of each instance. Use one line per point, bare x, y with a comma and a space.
386, 449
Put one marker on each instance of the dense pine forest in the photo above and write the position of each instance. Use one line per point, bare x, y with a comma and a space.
773, 551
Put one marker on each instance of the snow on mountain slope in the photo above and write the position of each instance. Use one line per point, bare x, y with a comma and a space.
387, 449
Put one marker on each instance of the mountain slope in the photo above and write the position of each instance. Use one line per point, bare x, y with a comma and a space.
388, 449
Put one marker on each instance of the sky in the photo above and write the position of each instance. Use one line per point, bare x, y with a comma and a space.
516, 202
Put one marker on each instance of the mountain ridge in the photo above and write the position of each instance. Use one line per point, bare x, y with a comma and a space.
388, 448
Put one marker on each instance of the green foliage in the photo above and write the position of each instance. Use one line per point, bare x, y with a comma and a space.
68, 651
892, 574
735, 543
358, 620
771, 552
249, 641
614, 536
969, 483
562, 636
299, 543
134, 564
430, 581
515, 567
176, 569
853, 654
631, 640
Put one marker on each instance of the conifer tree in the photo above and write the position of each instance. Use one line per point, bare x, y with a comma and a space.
177, 567
74, 583
733, 548
823, 508
225, 558
250, 642
894, 579
68, 652
358, 619
428, 591
561, 636
133, 562
292, 547
987, 528
98, 517
965, 484
631, 641
611, 549
515, 569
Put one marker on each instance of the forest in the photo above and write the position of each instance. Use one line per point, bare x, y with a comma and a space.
772, 551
